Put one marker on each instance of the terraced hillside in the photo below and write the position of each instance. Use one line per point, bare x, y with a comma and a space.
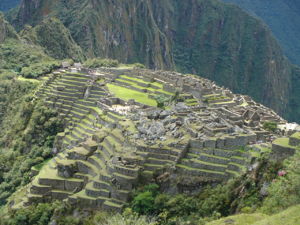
116, 135
207, 37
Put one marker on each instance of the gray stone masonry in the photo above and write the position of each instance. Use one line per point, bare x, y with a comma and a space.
281, 152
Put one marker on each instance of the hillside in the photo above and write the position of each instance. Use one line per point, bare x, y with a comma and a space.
288, 217
56, 40
249, 61
87, 140
6, 30
154, 141
282, 17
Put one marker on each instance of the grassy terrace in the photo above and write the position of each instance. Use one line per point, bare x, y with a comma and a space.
126, 94
199, 170
157, 84
283, 142
41, 165
133, 82
28, 80
296, 135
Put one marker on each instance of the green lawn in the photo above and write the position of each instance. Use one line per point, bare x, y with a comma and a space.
126, 94
283, 142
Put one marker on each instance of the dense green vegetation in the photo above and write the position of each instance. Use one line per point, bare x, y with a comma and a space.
19, 57
27, 134
239, 195
283, 19
55, 39
98, 62
270, 126
27, 127
28, 60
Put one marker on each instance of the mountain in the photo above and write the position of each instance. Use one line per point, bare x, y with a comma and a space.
143, 142
193, 36
6, 5
282, 17
110, 143
56, 40
6, 30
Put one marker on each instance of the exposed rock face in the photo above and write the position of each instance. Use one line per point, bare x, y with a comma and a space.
219, 41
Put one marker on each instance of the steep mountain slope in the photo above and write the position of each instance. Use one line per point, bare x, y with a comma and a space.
6, 30
25, 127
193, 36
8, 4
53, 36
283, 18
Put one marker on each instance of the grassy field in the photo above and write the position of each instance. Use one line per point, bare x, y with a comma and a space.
126, 94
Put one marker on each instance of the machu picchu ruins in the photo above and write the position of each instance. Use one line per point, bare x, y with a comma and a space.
127, 124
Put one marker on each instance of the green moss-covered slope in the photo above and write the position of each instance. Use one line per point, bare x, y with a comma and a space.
53, 36
283, 19
6, 30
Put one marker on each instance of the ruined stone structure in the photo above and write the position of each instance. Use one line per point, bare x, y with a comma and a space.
286, 146
115, 135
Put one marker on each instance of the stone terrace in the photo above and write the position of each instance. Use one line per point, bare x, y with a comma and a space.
116, 135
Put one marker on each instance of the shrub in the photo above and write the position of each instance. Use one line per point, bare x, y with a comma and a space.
138, 66
98, 62
161, 101
284, 191
128, 218
143, 202
270, 126
39, 69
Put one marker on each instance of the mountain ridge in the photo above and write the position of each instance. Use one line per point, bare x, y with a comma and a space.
282, 17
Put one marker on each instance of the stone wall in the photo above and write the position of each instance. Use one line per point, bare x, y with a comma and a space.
281, 152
